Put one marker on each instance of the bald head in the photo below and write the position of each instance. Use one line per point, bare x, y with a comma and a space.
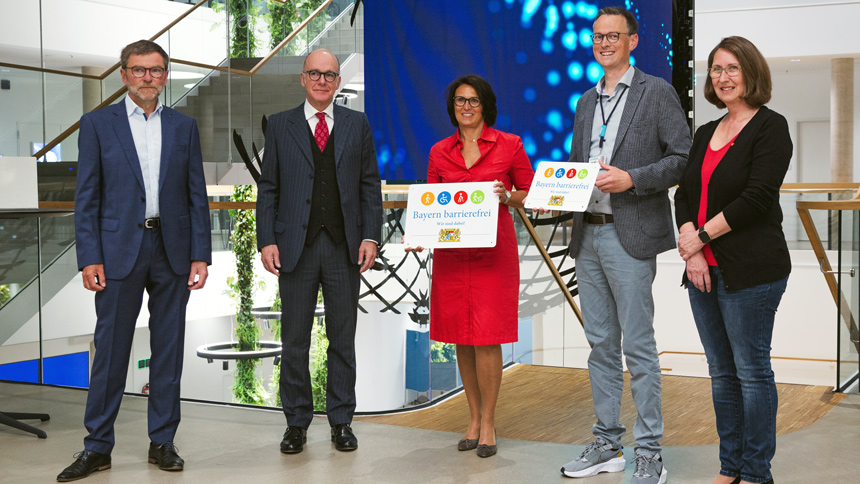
320, 91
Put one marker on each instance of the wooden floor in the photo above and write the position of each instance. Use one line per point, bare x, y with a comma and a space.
550, 404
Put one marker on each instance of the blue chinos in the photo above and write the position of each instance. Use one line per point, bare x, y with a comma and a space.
736, 328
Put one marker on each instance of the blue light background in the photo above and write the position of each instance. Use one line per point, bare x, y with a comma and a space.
535, 53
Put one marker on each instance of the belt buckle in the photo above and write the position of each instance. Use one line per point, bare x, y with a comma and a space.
597, 218
150, 223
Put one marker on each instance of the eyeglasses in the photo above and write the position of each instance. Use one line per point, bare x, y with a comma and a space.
314, 75
612, 37
461, 101
155, 72
731, 71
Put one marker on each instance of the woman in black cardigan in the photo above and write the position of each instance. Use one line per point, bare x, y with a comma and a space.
727, 210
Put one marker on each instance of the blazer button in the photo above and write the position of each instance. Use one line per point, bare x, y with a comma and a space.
304, 226
308, 201
142, 199
310, 176
140, 226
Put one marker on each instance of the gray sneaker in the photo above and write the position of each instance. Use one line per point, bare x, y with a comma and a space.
598, 456
649, 469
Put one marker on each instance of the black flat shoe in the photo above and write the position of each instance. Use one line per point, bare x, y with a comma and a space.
166, 456
294, 440
485, 450
343, 437
86, 462
467, 444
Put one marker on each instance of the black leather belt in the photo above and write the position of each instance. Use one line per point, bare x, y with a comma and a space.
598, 218
152, 223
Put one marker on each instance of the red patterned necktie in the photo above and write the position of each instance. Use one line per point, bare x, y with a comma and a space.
321, 131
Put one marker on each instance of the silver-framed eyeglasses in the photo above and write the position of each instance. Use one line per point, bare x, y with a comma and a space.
731, 70
612, 37
314, 75
461, 101
155, 72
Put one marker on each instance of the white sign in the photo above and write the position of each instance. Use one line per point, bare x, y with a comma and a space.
560, 185
19, 187
452, 215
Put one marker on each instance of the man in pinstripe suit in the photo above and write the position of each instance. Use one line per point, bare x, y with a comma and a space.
319, 217
633, 126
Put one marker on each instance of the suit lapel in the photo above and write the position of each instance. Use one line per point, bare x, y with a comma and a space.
588, 116
634, 95
167, 132
342, 133
297, 128
126, 140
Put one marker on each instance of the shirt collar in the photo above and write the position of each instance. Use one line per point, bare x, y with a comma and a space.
487, 134
626, 79
131, 107
311, 112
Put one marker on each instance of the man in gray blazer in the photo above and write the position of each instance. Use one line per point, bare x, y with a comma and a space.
319, 217
633, 126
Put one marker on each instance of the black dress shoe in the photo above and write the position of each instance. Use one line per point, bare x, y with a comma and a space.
85, 464
166, 456
343, 438
294, 440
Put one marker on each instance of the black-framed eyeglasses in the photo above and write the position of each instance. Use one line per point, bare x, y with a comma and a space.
461, 101
731, 70
314, 75
612, 37
155, 72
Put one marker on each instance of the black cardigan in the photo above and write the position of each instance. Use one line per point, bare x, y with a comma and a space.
745, 187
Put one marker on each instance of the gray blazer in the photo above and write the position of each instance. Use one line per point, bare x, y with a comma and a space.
652, 145
286, 183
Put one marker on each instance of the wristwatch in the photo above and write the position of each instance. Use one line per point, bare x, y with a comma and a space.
507, 196
703, 235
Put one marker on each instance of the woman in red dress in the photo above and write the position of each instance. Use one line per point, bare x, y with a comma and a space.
474, 292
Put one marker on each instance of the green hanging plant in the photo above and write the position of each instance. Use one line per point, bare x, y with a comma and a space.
5, 294
442, 352
319, 362
247, 387
243, 21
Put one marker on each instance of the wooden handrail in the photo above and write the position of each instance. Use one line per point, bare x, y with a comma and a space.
116, 95
50, 71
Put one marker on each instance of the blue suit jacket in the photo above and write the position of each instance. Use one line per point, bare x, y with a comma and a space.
286, 183
652, 145
110, 201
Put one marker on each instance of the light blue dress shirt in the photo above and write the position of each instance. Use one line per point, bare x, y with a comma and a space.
599, 202
146, 133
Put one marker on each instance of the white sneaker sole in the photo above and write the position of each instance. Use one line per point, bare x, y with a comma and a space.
616, 464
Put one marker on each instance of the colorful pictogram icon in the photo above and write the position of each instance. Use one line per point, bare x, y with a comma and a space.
583, 173
571, 173
427, 198
444, 198
461, 197
548, 173
559, 173
477, 196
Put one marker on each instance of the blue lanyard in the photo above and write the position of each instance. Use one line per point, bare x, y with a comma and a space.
605, 118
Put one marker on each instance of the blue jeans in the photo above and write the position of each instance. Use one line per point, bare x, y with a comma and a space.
615, 293
736, 329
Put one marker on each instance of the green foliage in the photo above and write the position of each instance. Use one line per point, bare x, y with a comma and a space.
276, 335
280, 19
247, 388
442, 352
5, 294
243, 20
319, 365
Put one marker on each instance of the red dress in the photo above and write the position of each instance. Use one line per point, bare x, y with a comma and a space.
474, 292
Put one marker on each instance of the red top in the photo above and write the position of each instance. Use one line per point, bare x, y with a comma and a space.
474, 292
709, 164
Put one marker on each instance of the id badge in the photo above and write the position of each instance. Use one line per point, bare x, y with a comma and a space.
597, 159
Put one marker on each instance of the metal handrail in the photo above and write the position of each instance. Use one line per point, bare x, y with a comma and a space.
113, 97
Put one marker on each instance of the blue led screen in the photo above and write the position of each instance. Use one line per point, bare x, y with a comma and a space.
535, 53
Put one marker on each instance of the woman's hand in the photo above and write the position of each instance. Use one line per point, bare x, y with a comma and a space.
698, 272
410, 249
689, 244
500, 191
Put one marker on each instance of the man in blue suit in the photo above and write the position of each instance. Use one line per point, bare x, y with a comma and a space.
141, 223
632, 126
319, 217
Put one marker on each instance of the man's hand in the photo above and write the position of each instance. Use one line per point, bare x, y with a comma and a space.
199, 271
614, 180
94, 277
366, 255
271, 259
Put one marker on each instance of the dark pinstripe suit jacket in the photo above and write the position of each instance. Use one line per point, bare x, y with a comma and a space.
652, 145
286, 183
